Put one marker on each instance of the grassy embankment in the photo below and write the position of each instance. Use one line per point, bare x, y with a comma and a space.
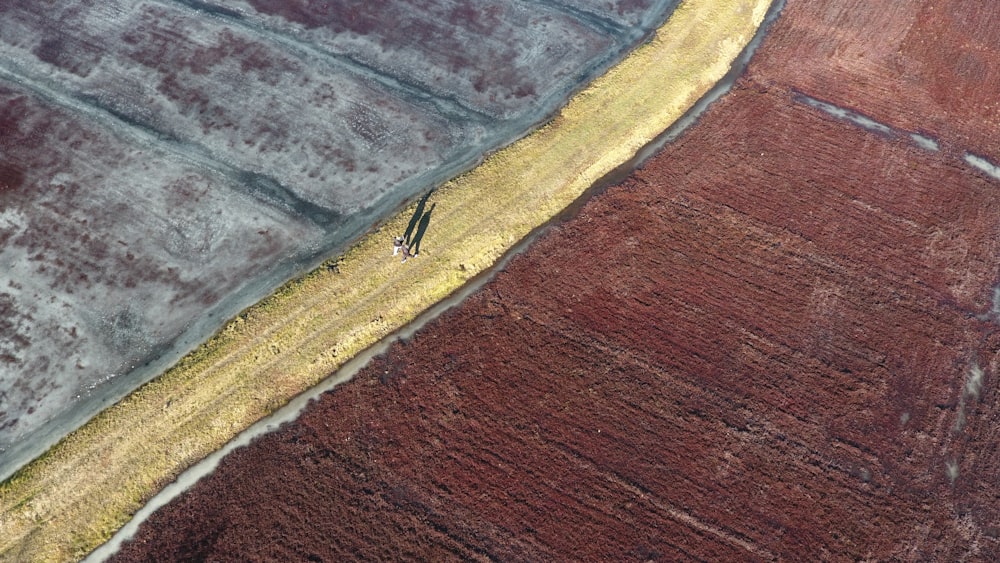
72, 499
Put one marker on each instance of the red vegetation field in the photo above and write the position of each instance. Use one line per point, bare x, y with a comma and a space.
775, 341
916, 64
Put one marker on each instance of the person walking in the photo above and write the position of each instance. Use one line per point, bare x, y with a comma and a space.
406, 253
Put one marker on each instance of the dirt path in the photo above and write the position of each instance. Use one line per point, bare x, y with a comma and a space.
72, 499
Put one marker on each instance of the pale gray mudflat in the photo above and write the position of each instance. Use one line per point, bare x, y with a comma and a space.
164, 164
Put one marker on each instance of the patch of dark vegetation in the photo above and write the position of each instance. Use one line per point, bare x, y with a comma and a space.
11, 177
68, 54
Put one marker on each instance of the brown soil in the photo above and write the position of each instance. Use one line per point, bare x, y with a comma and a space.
765, 344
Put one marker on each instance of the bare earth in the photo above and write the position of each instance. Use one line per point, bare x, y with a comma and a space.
775, 341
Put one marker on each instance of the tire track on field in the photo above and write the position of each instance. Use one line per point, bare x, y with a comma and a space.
666, 508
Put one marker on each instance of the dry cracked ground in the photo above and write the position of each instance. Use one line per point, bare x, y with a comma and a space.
776, 341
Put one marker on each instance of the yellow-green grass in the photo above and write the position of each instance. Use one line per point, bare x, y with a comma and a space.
75, 496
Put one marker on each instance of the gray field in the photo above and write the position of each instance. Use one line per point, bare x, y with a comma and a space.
165, 164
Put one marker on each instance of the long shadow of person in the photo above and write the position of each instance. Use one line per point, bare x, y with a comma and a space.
416, 217
425, 220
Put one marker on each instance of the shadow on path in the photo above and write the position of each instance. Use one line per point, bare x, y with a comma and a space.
421, 229
416, 217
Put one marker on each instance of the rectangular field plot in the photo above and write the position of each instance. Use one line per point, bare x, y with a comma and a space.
108, 253
233, 99
644, 14
495, 57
